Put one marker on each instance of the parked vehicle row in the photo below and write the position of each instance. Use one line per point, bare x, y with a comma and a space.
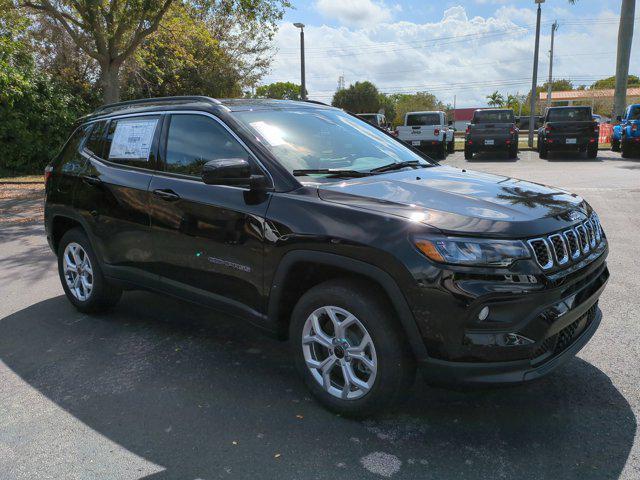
429, 132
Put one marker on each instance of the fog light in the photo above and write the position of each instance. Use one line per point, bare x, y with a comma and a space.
514, 340
484, 314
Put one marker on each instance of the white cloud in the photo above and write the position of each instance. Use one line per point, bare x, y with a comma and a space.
458, 55
358, 13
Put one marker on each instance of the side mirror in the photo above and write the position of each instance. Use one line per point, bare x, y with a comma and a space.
450, 122
227, 171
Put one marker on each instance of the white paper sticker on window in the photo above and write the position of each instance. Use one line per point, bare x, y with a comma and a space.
132, 139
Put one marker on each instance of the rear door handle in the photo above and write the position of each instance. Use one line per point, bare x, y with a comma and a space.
167, 195
91, 180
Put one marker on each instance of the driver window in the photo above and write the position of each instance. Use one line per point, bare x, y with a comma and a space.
193, 140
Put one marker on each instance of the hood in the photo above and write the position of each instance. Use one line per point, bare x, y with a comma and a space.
462, 202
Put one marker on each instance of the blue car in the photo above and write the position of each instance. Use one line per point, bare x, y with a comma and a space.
629, 131
616, 136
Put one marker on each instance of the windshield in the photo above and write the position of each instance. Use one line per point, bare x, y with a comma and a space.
317, 139
634, 114
569, 115
370, 117
493, 116
418, 119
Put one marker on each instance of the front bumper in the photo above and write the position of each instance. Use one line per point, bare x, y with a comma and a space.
442, 371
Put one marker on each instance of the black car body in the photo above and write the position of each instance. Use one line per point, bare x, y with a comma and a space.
569, 129
252, 243
491, 131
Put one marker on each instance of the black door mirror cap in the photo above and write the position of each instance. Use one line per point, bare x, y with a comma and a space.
226, 171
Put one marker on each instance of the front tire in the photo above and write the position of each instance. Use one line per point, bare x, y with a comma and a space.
468, 154
615, 145
625, 152
542, 151
81, 275
351, 353
592, 152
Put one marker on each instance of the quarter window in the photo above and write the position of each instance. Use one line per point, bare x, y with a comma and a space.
95, 142
193, 140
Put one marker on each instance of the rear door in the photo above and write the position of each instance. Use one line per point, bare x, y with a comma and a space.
208, 239
114, 197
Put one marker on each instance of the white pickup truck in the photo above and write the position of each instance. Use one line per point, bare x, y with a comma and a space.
427, 131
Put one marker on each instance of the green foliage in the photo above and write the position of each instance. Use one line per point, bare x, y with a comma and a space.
420, 101
610, 83
495, 99
279, 90
361, 97
387, 106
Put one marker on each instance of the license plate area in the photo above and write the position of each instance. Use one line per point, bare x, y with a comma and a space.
489, 142
415, 143
571, 141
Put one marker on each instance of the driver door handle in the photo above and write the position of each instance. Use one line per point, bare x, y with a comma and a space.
167, 195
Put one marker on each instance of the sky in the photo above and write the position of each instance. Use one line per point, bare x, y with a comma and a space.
462, 50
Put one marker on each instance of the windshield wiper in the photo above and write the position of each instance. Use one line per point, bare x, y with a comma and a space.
330, 171
399, 165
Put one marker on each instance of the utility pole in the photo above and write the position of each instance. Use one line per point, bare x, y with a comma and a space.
534, 80
554, 27
303, 86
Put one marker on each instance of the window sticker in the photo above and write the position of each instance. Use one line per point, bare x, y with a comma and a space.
132, 139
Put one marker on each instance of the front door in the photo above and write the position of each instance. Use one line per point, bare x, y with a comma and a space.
208, 239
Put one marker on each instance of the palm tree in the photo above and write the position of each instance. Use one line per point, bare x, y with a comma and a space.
495, 99
625, 39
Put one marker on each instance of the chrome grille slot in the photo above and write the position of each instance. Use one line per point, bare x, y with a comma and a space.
596, 226
559, 248
542, 252
591, 233
572, 243
582, 238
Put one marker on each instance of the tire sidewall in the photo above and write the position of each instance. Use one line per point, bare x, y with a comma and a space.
100, 286
391, 351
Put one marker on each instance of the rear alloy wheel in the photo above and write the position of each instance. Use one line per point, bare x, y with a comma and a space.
81, 274
349, 349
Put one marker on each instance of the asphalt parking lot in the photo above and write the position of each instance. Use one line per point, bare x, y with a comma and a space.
160, 389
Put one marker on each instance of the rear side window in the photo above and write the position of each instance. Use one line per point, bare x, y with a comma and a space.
488, 116
634, 113
131, 140
193, 140
569, 115
95, 143
70, 161
419, 119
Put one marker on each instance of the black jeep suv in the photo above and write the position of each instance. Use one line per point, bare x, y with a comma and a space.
492, 131
370, 258
569, 128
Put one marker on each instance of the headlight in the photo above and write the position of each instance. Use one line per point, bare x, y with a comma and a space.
473, 251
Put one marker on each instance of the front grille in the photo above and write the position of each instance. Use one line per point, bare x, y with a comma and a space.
558, 249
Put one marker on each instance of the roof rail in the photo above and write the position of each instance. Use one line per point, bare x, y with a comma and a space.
200, 98
317, 102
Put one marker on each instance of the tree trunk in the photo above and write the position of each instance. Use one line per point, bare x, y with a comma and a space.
625, 38
110, 82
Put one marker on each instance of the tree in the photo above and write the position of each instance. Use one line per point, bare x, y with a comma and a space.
495, 99
279, 90
387, 106
416, 102
361, 97
610, 82
110, 32
623, 57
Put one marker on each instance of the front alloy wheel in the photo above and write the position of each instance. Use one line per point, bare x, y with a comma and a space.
78, 272
339, 352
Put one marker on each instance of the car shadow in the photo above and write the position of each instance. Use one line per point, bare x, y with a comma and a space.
571, 157
178, 385
493, 157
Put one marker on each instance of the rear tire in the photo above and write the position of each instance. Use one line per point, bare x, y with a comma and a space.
81, 275
452, 146
625, 152
615, 145
468, 154
542, 151
380, 373
592, 152
513, 153
442, 150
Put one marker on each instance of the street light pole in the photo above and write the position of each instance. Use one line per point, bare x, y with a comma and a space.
534, 80
303, 86
554, 27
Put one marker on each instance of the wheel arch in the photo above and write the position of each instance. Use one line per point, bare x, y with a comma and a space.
61, 224
317, 267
